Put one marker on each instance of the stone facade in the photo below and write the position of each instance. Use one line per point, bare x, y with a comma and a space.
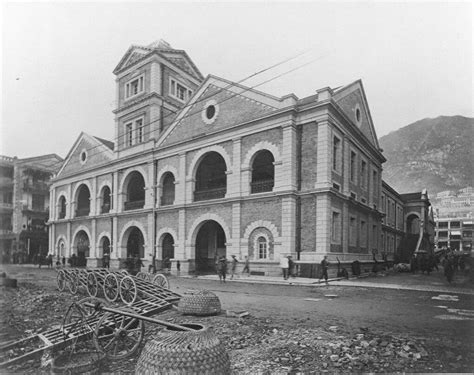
206, 167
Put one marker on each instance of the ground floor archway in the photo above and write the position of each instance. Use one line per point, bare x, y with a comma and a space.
135, 243
210, 245
82, 246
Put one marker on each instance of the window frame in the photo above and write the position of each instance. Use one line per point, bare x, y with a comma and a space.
132, 131
141, 86
173, 90
336, 154
336, 226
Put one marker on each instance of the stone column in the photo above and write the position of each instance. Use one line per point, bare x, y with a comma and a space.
180, 196
289, 166
235, 250
150, 188
115, 190
346, 166
324, 156
323, 224
92, 243
288, 225
233, 179
93, 200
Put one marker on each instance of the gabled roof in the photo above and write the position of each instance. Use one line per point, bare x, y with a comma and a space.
98, 151
345, 97
49, 162
247, 104
178, 58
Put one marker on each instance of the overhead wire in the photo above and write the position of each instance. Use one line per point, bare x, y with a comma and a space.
205, 98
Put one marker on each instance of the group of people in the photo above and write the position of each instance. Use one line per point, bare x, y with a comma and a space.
222, 265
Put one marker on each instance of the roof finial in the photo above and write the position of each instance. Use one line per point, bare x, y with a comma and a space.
160, 44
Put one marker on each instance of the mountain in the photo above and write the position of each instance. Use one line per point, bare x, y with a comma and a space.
436, 154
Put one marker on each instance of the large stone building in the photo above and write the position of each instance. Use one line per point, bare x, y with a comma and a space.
24, 206
203, 167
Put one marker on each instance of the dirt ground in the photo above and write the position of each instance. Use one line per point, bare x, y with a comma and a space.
289, 329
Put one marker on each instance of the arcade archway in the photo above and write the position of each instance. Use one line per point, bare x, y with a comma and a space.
210, 245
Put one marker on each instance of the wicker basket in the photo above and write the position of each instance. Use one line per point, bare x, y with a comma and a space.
77, 363
183, 353
202, 303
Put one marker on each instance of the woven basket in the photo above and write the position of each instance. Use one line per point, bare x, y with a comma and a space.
202, 302
184, 353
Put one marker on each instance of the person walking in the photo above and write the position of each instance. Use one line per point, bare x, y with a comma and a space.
233, 266
284, 264
246, 266
64, 261
222, 268
324, 269
291, 265
178, 267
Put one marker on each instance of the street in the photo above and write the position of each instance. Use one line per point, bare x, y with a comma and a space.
289, 328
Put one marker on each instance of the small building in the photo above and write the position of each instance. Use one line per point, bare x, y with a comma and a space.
24, 206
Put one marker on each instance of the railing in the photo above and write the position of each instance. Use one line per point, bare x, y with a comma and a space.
38, 185
80, 212
167, 201
262, 186
105, 208
204, 195
133, 205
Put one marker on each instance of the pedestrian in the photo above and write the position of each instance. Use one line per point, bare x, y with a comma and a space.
291, 265
324, 269
40, 260
178, 267
222, 268
233, 267
64, 261
138, 264
50, 261
246, 266
449, 268
284, 264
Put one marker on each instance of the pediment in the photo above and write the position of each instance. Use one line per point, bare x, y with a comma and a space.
86, 152
353, 102
233, 105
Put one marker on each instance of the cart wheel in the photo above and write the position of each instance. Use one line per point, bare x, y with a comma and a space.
161, 280
92, 284
74, 323
72, 283
61, 280
128, 290
118, 336
111, 285
141, 275
123, 272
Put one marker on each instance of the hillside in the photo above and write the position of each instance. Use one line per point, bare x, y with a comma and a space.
436, 154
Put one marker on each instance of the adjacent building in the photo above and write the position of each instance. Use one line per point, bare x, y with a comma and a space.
204, 167
24, 206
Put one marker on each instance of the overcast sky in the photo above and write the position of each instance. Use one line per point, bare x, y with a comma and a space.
415, 60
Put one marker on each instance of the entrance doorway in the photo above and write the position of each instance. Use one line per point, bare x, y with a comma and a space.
82, 246
210, 245
135, 244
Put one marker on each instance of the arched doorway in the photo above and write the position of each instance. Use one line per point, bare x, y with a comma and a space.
135, 192
82, 246
413, 224
135, 244
105, 200
167, 193
168, 246
83, 201
104, 247
211, 179
263, 172
210, 245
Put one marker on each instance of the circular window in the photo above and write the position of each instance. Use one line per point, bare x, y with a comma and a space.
83, 156
358, 114
210, 112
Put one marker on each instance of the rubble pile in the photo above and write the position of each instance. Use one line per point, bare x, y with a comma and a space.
265, 345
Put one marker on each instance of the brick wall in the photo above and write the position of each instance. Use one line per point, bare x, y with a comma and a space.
309, 141
308, 224
263, 209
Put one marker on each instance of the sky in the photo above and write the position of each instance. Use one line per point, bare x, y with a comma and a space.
414, 58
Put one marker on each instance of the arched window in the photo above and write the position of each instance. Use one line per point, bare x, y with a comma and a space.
262, 247
135, 192
105, 200
263, 172
83, 201
211, 179
62, 207
168, 246
167, 192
